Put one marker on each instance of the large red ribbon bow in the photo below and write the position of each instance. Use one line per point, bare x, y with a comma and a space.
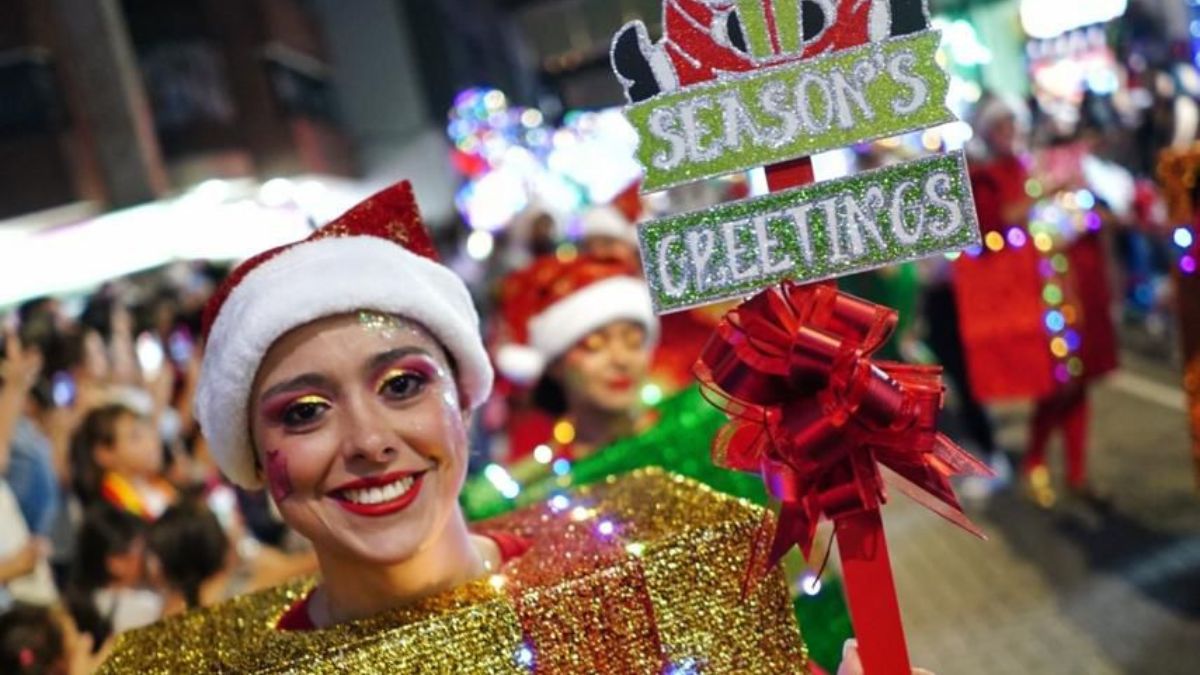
817, 417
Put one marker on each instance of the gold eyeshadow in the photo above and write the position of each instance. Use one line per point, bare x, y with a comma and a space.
391, 374
309, 399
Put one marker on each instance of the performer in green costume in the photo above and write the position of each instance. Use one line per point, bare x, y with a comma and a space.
592, 342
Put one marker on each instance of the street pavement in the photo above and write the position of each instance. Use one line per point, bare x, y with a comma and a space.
1079, 588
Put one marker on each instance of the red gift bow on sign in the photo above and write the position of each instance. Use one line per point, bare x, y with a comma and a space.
816, 416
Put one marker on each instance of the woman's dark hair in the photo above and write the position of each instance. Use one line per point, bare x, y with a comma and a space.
550, 397
106, 531
190, 546
97, 315
98, 428
31, 641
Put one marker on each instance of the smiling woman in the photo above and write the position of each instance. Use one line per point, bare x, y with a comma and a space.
340, 373
352, 406
362, 433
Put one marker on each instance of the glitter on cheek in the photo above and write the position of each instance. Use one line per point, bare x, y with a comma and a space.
279, 480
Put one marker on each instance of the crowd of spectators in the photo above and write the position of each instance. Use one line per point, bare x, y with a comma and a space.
112, 516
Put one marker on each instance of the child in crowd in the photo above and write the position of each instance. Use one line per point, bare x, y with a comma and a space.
41, 641
116, 457
105, 592
188, 553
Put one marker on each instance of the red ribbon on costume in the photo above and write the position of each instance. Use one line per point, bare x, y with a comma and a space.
816, 416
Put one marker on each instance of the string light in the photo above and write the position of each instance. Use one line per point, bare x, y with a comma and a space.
502, 480
525, 657
566, 252
480, 244
1052, 294
606, 528
1183, 237
1043, 242
543, 454
1055, 321
561, 466
994, 242
564, 432
1045, 269
1187, 264
559, 503
652, 394
1058, 347
1017, 238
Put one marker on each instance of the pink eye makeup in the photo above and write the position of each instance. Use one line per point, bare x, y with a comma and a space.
295, 411
406, 376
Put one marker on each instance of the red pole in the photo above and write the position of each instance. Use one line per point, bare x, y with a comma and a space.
871, 593
790, 174
870, 588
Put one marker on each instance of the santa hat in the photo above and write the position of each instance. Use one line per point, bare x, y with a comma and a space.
377, 257
629, 202
606, 221
554, 303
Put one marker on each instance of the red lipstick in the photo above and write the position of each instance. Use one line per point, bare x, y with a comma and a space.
621, 383
382, 508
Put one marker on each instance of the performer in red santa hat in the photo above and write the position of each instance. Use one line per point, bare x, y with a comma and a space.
584, 331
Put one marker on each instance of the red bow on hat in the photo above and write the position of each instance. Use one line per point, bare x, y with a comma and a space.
391, 214
817, 417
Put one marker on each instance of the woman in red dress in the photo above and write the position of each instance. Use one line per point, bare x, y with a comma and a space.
1033, 303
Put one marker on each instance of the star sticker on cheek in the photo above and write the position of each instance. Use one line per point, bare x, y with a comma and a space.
278, 478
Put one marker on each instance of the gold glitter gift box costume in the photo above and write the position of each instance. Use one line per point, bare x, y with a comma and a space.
640, 574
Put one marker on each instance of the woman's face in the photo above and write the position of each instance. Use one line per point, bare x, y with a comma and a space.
1002, 137
362, 435
135, 450
606, 368
611, 248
